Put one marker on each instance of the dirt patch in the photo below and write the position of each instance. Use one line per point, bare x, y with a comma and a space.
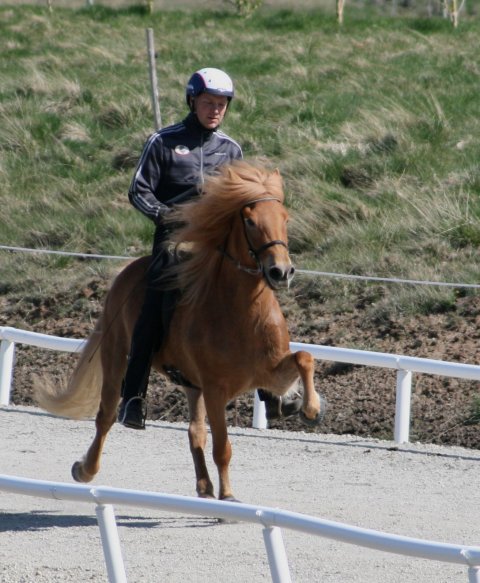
361, 400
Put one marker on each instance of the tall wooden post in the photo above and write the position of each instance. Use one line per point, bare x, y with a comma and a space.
153, 78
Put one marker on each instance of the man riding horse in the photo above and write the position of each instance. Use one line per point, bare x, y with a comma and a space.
171, 170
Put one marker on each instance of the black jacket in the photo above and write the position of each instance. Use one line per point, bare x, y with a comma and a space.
174, 161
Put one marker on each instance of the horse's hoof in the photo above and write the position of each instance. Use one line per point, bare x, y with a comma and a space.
79, 475
231, 499
318, 419
229, 520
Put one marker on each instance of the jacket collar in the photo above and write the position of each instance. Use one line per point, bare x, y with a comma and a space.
192, 124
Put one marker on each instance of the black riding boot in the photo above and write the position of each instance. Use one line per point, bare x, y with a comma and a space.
278, 407
147, 337
133, 408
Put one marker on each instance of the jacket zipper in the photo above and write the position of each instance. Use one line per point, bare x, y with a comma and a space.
202, 178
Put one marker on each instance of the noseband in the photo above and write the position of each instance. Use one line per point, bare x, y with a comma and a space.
254, 253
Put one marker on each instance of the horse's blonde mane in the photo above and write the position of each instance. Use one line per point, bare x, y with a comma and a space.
206, 220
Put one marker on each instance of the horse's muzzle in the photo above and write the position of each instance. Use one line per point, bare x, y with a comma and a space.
278, 276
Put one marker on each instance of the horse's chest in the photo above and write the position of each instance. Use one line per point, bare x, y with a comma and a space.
248, 323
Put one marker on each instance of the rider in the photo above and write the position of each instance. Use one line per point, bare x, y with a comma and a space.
170, 171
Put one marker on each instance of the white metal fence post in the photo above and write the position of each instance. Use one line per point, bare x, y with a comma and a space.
111, 543
259, 413
7, 353
474, 575
473, 569
277, 557
402, 406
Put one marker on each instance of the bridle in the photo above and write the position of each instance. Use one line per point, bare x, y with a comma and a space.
254, 253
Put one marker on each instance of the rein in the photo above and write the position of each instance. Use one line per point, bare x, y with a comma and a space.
254, 253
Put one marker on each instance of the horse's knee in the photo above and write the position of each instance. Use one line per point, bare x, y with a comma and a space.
304, 360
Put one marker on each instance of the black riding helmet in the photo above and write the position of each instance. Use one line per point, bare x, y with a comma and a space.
209, 80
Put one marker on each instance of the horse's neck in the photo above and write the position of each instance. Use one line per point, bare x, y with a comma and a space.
244, 295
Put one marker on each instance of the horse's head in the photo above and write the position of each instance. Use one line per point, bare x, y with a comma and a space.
241, 215
265, 226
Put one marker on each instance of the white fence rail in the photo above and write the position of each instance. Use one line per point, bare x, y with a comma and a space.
272, 520
405, 366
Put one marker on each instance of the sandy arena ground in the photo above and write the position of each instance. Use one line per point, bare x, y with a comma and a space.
428, 492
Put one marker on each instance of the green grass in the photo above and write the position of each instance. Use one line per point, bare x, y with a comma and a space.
375, 127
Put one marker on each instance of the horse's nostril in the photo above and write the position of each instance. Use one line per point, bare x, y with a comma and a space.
276, 274
279, 274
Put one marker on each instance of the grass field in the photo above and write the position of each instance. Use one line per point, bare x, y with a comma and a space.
374, 126
175, 4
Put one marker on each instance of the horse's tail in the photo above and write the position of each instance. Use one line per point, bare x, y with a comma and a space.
80, 397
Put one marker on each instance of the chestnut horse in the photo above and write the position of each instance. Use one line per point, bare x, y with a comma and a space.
227, 334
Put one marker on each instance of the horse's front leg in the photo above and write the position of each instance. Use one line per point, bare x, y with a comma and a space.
313, 406
222, 448
197, 436
286, 373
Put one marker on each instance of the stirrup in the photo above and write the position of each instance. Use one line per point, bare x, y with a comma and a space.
133, 413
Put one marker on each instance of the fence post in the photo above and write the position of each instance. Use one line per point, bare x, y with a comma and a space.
7, 353
111, 543
259, 413
402, 406
153, 78
277, 557
474, 574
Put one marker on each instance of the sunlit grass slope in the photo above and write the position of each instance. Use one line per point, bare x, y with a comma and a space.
374, 126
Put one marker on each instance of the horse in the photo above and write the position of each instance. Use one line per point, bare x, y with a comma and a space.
227, 335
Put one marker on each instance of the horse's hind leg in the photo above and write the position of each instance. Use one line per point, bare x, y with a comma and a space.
197, 435
113, 366
86, 469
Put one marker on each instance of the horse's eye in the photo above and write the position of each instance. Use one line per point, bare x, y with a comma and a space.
249, 222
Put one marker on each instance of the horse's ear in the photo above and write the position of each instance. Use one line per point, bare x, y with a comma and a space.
276, 182
231, 173
277, 176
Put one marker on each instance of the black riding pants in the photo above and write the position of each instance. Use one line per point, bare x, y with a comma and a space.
148, 333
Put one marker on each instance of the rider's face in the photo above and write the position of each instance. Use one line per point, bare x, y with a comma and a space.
210, 109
